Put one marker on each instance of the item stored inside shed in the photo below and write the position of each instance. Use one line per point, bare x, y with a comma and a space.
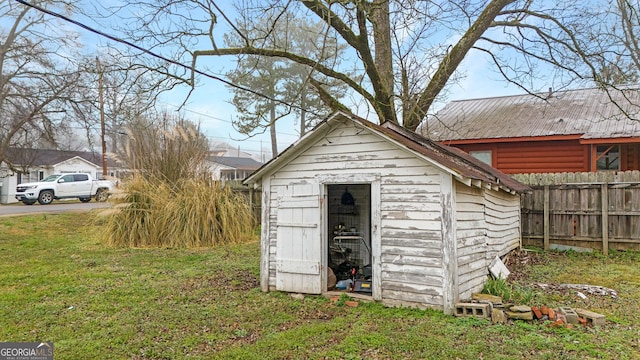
350, 235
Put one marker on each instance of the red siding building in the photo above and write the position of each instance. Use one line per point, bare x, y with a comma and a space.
567, 131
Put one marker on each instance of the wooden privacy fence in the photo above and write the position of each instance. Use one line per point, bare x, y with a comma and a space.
255, 200
578, 177
595, 215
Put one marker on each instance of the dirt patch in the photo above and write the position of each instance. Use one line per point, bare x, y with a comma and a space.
222, 281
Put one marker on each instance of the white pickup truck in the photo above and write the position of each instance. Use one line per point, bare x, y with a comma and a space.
63, 186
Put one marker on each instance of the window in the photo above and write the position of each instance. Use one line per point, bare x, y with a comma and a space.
228, 174
80, 177
19, 178
67, 178
607, 157
40, 175
485, 156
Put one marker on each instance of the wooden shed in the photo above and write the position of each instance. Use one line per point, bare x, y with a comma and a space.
413, 222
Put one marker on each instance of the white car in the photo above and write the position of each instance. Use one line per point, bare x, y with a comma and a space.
63, 186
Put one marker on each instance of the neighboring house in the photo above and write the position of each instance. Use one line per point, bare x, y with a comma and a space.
226, 150
36, 164
418, 220
232, 168
566, 131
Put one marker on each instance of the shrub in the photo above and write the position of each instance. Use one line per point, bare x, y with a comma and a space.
192, 213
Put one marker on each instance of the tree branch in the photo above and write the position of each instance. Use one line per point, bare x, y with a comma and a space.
451, 61
290, 56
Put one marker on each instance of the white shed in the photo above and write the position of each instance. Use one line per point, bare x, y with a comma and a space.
414, 223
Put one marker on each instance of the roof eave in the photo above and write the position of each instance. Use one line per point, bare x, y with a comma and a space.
609, 140
509, 140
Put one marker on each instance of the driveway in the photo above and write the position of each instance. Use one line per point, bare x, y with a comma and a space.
55, 207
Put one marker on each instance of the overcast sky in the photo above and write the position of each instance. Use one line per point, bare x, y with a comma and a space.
209, 103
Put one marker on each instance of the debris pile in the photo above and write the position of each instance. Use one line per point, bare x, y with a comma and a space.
589, 289
514, 266
491, 307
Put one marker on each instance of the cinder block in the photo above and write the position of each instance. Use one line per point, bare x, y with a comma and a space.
570, 314
473, 309
591, 317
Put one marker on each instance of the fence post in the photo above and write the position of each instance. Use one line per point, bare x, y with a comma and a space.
546, 217
605, 218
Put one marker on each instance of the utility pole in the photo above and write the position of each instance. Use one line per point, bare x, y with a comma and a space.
104, 144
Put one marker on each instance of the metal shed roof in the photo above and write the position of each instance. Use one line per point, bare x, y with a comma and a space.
587, 113
456, 161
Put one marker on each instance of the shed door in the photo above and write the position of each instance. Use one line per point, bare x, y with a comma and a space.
298, 249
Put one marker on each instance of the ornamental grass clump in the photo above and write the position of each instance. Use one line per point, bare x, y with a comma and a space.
170, 199
194, 213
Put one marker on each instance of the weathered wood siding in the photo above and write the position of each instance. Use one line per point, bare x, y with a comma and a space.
629, 156
471, 239
410, 228
536, 156
502, 216
488, 225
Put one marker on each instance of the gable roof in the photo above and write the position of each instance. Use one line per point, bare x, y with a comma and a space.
585, 113
70, 160
464, 167
49, 157
240, 163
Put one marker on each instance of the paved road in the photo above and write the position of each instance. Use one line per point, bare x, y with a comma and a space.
55, 207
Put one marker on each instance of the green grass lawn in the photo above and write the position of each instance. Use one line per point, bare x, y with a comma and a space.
59, 284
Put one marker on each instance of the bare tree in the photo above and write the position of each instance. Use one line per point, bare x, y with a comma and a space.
38, 78
618, 60
402, 53
130, 91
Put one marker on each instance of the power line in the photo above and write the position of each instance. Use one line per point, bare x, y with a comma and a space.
153, 54
207, 136
213, 117
171, 61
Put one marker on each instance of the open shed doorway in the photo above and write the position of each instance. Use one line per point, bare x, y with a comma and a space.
349, 229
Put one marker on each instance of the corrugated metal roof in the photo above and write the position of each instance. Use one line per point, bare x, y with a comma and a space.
590, 113
451, 158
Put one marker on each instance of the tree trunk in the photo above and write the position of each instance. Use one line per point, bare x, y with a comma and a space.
382, 47
303, 112
272, 129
